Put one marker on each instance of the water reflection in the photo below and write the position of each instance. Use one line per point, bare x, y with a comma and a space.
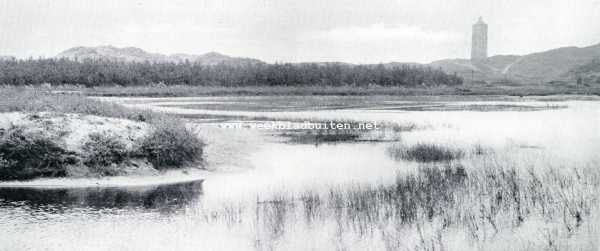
163, 197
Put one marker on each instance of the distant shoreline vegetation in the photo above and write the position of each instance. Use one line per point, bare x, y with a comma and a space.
94, 73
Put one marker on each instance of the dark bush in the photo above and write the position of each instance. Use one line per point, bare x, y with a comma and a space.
27, 155
171, 145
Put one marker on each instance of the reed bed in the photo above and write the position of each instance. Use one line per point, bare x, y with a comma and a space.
438, 206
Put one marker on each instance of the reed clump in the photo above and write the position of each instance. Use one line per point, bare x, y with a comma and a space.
424, 152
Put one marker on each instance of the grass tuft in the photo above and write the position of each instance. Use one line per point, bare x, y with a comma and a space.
423, 152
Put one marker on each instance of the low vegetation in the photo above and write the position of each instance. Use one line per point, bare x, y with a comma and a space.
32, 100
465, 90
26, 153
350, 131
156, 90
423, 152
321, 136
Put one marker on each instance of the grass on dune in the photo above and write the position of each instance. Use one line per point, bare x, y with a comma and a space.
18, 99
27, 155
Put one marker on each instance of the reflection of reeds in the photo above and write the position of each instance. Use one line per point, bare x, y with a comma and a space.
271, 219
311, 203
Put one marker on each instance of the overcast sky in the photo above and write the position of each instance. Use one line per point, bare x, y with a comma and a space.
369, 31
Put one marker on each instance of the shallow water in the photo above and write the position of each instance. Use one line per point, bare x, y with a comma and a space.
253, 166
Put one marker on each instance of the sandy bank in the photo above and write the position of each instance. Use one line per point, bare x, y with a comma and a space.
71, 130
168, 177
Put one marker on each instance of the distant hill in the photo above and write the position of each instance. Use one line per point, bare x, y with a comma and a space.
552, 65
133, 54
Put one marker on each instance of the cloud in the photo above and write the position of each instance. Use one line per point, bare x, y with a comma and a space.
381, 32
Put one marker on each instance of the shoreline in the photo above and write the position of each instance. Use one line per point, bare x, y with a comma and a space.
169, 177
466, 90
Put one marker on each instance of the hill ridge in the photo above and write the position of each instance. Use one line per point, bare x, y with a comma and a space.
135, 54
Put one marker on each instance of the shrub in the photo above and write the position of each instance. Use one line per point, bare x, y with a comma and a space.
27, 155
102, 150
170, 144
422, 152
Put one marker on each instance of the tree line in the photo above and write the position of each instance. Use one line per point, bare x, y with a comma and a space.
93, 73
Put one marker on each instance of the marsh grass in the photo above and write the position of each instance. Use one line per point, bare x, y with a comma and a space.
343, 90
260, 90
432, 205
479, 149
479, 107
423, 152
438, 204
321, 136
